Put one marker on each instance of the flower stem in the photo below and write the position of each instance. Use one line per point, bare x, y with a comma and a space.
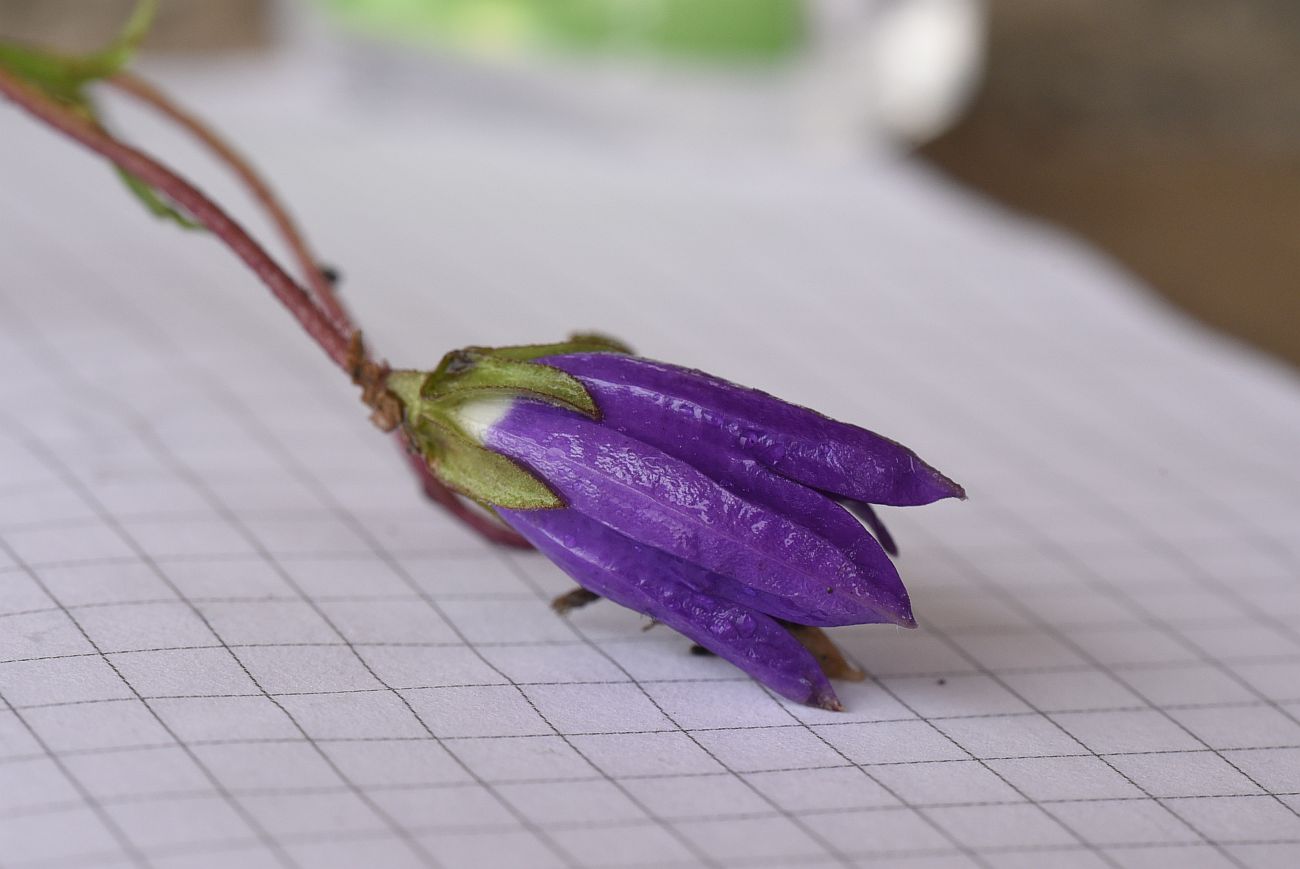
320, 287
195, 202
317, 308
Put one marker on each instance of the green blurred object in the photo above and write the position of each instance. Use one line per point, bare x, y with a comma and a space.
716, 31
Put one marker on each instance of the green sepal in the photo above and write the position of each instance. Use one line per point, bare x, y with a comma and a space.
432, 402
579, 342
475, 372
476, 472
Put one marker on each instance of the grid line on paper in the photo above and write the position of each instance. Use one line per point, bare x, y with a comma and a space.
1084, 570
85, 798
131, 848
56, 808
1010, 599
787, 727
1237, 704
1088, 575
839, 855
916, 674
831, 852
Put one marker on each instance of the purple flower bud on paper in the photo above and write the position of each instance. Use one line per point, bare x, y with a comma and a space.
714, 509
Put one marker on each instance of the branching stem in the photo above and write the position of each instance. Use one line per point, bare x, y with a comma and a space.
321, 288
189, 197
317, 308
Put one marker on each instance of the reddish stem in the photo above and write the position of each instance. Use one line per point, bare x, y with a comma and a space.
194, 201
321, 314
321, 288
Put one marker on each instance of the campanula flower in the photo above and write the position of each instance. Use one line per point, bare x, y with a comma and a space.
717, 510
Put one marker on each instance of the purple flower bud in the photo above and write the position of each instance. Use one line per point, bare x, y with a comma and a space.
782, 567
715, 509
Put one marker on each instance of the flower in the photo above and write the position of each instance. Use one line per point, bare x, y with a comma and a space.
717, 510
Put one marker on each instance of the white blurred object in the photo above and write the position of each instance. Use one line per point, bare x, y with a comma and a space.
874, 74
901, 69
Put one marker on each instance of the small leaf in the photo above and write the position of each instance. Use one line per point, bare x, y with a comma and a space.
595, 342
117, 55
155, 203
65, 78
466, 373
487, 477
63, 75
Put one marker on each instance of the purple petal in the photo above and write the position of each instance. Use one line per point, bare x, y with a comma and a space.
779, 566
667, 589
813, 510
677, 409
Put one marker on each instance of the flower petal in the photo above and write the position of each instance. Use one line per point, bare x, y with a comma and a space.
818, 513
660, 586
780, 566
678, 408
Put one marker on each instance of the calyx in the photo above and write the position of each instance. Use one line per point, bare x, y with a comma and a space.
437, 407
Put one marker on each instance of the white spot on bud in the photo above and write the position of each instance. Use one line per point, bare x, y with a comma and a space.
476, 417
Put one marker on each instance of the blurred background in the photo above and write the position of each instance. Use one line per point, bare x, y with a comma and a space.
1167, 132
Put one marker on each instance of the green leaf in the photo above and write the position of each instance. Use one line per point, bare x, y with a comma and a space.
66, 77
476, 472
155, 203
63, 75
120, 52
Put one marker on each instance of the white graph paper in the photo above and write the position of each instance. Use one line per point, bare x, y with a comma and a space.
231, 634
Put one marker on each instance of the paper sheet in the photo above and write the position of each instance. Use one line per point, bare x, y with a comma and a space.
231, 634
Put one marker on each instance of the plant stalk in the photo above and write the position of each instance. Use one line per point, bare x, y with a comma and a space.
316, 282
317, 308
195, 202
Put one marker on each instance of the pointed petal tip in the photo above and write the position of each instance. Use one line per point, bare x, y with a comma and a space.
898, 611
923, 484
901, 615
826, 699
945, 486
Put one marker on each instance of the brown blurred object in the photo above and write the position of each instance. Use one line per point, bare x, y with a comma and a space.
182, 25
1166, 131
